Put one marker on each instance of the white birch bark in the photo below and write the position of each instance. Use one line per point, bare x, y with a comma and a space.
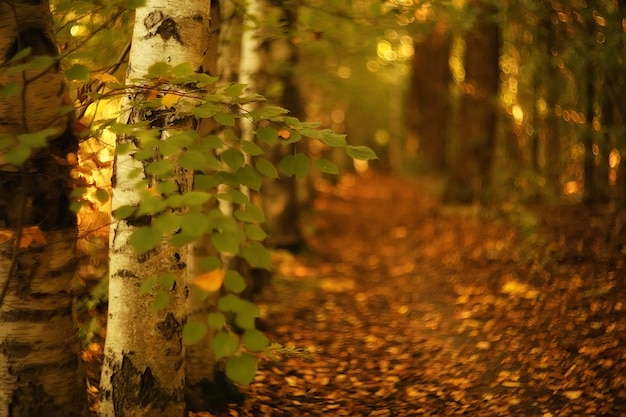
143, 367
40, 370
250, 59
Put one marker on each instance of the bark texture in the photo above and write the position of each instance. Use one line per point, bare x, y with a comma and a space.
143, 369
429, 101
40, 370
470, 172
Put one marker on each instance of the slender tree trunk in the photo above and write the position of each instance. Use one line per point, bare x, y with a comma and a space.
143, 366
280, 195
429, 101
40, 370
473, 155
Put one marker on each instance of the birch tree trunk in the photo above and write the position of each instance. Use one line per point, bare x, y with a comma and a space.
40, 371
143, 365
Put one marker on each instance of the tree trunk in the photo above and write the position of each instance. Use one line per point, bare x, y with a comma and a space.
40, 370
280, 199
143, 365
473, 154
428, 103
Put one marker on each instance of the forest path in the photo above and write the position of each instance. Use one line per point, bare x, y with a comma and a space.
406, 307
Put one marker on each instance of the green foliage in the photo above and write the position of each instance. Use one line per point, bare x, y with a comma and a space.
180, 216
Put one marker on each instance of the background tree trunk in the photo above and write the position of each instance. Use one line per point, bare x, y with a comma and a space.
280, 199
429, 99
143, 365
40, 370
476, 131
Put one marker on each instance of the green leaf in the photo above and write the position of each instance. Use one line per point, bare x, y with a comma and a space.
102, 195
206, 111
78, 72
21, 54
216, 320
257, 255
294, 136
235, 90
362, 153
17, 155
225, 119
193, 332
193, 160
167, 187
246, 315
148, 285
234, 282
224, 344
254, 232
144, 239
288, 165
249, 177
150, 204
254, 340
124, 212
210, 263
266, 168
159, 69
301, 165
184, 69
267, 134
10, 89
160, 169
161, 300
250, 213
251, 148
234, 196
226, 243
167, 223
233, 158
37, 139
331, 138
42, 62
229, 303
241, 369
167, 280
268, 112
195, 224
196, 198
326, 166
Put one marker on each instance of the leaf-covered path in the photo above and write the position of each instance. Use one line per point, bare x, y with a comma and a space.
405, 307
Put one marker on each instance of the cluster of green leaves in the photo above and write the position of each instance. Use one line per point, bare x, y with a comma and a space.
222, 167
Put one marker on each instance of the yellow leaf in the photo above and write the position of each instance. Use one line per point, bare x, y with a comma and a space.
210, 281
104, 77
170, 99
6, 235
284, 133
573, 395
32, 236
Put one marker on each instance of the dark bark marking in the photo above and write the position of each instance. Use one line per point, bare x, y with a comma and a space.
33, 316
32, 38
133, 388
170, 327
15, 349
153, 20
158, 24
168, 29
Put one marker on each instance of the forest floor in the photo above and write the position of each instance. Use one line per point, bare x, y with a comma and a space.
403, 306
